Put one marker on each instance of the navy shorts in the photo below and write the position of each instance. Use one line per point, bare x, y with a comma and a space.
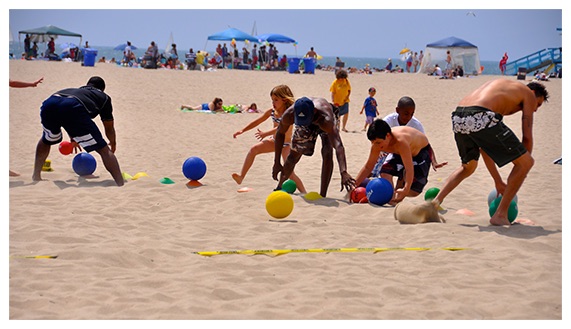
67, 112
422, 163
344, 109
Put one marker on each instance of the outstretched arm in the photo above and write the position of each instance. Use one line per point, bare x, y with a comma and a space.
254, 123
22, 84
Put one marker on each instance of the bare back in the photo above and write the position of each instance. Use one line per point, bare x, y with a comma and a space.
501, 96
407, 137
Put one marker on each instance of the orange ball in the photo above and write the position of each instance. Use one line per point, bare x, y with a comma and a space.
65, 148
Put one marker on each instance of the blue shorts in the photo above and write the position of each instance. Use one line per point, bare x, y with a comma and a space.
205, 107
67, 112
344, 109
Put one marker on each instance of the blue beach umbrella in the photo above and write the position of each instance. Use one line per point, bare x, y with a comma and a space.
122, 47
274, 37
234, 34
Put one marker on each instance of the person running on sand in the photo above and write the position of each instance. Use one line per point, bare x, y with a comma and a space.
215, 106
410, 162
312, 118
282, 98
479, 129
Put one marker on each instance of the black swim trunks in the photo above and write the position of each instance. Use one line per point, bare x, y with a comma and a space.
422, 163
476, 127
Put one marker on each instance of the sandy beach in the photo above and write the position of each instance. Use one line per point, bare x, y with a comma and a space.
129, 252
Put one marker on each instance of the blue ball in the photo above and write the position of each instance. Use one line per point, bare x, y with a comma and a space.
84, 164
194, 168
379, 191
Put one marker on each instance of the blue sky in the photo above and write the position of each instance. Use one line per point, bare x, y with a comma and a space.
340, 32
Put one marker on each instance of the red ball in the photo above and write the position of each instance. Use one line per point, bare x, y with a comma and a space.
65, 148
359, 195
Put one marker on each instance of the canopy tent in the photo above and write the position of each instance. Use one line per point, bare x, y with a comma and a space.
44, 33
463, 53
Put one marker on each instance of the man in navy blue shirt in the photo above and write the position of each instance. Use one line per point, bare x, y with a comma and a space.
73, 110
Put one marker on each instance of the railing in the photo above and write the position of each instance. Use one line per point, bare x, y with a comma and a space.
535, 61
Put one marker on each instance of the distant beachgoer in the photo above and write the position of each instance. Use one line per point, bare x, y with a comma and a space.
311, 53
420, 58
282, 99
370, 108
448, 66
503, 63
51, 46
27, 46
215, 106
340, 91
190, 59
389, 66
408, 62
415, 61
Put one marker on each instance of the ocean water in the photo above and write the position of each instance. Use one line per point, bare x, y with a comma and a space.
490, 67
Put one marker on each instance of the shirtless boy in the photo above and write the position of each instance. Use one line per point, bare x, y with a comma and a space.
478, 128
411, 158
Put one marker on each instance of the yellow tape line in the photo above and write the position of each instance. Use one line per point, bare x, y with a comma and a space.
36, 257
278, 252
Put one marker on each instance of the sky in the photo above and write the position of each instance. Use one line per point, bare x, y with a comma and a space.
343, 32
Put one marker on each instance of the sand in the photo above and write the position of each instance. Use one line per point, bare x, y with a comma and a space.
129, 252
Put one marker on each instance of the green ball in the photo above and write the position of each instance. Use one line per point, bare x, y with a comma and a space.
431, 193
289, 186
512, 210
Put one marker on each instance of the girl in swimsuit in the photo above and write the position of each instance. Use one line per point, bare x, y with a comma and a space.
214, 106
282, 99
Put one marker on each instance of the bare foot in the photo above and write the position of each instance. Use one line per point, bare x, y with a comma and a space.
37, 178
237, 178
499, 221
345, 130
14, 174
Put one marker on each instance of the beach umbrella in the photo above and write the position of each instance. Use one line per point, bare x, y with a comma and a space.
404, 51
274, 37
232, 34
122, 47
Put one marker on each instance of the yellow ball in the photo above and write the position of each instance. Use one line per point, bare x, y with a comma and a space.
279, 204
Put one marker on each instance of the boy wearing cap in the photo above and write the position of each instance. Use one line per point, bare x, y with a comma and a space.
312, 118
73, 109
